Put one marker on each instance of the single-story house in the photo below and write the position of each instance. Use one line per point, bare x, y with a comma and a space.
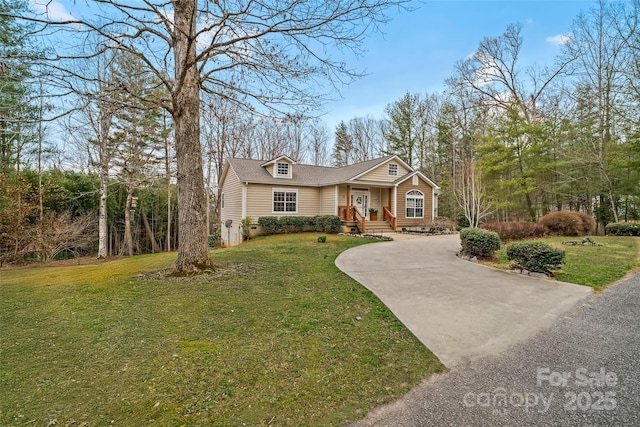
402, 196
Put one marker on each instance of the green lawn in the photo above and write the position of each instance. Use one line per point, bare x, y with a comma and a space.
270, 338
595, 266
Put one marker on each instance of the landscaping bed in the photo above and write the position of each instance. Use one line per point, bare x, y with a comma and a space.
595, 265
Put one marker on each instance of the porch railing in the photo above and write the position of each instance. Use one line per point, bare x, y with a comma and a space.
389, 218
344, 212
352, 213
359, 218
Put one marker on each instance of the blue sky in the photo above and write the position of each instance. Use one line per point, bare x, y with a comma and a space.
420, 48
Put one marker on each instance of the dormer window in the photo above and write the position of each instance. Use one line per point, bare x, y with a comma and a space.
282, 169
393, 169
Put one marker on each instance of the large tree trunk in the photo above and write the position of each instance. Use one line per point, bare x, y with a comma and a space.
104, 181
128, 236
167, 165
193, 250
105, 115
147, 228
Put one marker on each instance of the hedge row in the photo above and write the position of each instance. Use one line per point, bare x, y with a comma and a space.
478, 242
296, 224
569, 223
516, 230
561, 223
623, 229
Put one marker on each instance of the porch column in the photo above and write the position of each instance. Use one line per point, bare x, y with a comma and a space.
348, 203
395, 201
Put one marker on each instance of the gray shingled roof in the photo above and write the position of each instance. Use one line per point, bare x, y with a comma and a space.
306, 175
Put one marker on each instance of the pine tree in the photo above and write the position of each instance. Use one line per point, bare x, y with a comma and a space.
343, 149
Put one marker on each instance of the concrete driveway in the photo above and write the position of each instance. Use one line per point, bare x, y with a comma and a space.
460, 310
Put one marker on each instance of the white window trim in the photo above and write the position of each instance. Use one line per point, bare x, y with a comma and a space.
414, 180
284, 190
396, 169
406, 197
279, 175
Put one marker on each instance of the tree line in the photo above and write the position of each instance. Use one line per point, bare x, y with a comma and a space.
512, 142
504, 141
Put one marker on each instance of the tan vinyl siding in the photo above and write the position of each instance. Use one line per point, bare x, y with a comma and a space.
232, 189
381, 173
328, 201
342, 195
260, 200
402, 203
379, 197
384, 198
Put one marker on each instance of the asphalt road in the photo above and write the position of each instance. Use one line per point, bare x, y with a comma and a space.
582, 371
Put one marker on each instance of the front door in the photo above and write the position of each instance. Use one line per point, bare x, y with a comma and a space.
360, 199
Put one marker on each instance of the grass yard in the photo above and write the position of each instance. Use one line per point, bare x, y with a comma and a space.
595, 266
270, 338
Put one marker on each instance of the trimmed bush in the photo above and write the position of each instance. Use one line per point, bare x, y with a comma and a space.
537, 257
479, 242
623, 229
516, 230
292, 224
331, 224
588, 223
567, 223
269, 224
296, 224
322, 239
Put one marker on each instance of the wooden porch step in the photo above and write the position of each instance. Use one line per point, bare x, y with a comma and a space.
378, 227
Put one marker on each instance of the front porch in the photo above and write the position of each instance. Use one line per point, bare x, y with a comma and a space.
368, 209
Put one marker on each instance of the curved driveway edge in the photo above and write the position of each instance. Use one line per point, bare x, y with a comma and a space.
459, 310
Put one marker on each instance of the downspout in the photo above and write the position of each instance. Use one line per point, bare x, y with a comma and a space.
244, 200
244, 210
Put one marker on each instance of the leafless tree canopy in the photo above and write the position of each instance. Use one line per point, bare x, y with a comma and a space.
267, 53
259, 55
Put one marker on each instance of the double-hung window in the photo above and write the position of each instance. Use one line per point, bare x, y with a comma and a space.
415, 204
285, 201
393, 169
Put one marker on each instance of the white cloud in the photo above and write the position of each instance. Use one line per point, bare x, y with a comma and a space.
54, 10
559, 39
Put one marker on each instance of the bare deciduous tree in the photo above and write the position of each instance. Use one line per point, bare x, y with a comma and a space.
470, 194
366, 135
318, 142
271, 53
599, 55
